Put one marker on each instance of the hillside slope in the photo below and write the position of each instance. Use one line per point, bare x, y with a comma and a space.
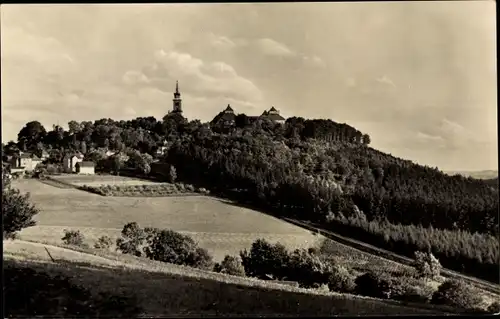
375, 197
166, 289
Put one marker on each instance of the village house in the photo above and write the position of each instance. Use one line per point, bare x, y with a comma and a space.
70, 160
25, 161
45, 155
85, 167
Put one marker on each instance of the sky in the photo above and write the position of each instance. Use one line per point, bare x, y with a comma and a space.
418, 77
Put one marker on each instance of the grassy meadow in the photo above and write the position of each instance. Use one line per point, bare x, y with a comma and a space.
161, 288
219, 227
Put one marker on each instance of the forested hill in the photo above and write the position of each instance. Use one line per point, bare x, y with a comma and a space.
316, 170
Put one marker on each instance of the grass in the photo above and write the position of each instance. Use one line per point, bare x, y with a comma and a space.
217, 226
177, 290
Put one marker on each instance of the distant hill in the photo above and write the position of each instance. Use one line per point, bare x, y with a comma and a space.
486, 174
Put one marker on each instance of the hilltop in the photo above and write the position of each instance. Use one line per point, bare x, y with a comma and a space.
486, 174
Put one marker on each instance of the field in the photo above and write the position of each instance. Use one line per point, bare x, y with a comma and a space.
163, 289
219, 227
98, 180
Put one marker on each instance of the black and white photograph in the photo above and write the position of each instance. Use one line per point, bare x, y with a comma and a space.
249, 159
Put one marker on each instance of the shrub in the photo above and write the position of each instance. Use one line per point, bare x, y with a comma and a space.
456, 293
73, 238
494, 307
340, 280
17, 211
132, 238
426, 264
308, 270
200, 258
265, 259
373, 284
172, 247
230, 265
104, 242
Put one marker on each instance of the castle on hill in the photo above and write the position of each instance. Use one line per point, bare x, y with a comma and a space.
227, 117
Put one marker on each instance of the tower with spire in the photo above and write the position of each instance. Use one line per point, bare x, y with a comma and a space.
177, 101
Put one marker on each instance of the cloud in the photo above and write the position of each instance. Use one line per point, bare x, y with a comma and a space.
385, 80
264, 46
133, 77
216, 83
221, 42
314, 61
274, 48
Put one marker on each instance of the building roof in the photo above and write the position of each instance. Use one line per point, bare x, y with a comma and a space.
224, 116
273, 110
275, 117
25, 155
229, 109
265, 113
86, 164
78, 155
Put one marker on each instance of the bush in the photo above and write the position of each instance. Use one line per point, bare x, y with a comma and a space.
172, 247
373, 284
200, 258
494, 307
456, 293
17, 211
73, 238
308, 270
230, 265
340, 280
426, 265
104, 242
132, 239
266, 260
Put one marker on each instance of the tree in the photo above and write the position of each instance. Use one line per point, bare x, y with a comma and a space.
172, 247
456, 293
340, 280
32, 133
366, 139
231, 265
426, 264
172, 174
132, 239
17, 211
74, 127
83, 147
266, 260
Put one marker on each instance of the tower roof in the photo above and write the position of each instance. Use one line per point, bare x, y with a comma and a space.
177, 87
273, 110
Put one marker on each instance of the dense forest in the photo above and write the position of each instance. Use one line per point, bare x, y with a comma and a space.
315, 170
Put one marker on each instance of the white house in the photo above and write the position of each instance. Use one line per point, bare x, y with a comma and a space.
25, 161
85, 167
70, 160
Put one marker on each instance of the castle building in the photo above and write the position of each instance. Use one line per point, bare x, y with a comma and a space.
227, 118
